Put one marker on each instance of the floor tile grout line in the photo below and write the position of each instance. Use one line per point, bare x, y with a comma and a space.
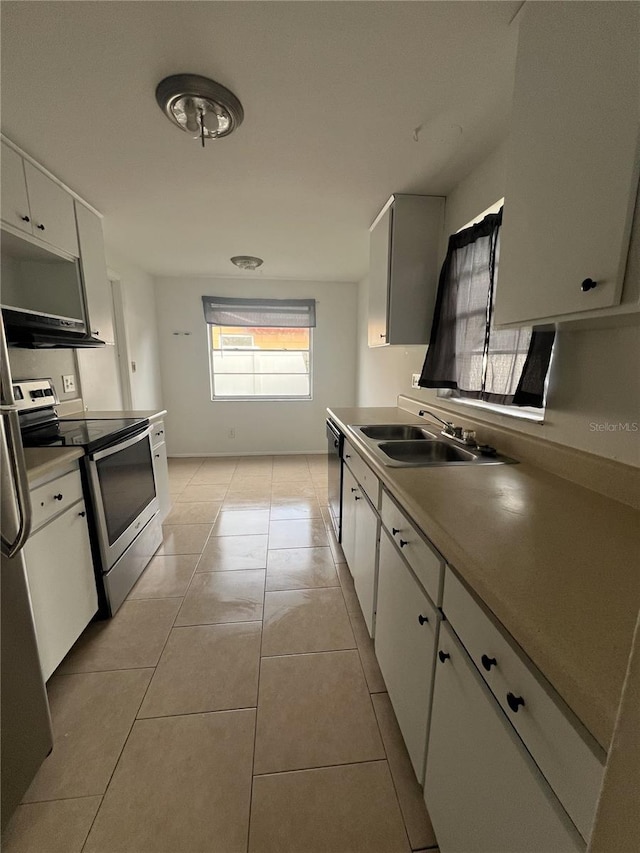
322, 767
60, 799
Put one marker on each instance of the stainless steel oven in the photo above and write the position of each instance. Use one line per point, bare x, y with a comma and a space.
125, 507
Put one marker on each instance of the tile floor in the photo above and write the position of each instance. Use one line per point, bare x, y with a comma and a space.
234, 703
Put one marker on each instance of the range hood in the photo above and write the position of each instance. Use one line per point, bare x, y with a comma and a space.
30, 329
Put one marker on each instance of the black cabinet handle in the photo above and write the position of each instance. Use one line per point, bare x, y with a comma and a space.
443, 656
588, 284
40, 227
347, 456
488, 662
403, 542
161, 432
25, 219
422, 619
353, 490
96, 332
394, 530
57, 497
383, 334
514, 702
156, 456
356, 497
82, 514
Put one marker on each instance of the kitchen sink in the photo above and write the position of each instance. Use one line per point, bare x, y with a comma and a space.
396, 432
412, 446
426, 452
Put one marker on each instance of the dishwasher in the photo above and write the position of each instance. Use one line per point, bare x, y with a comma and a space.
335, 443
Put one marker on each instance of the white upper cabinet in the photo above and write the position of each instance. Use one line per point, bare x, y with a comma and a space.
94, 274
572, 169
403, 269
51, 208
34, 203
15, 202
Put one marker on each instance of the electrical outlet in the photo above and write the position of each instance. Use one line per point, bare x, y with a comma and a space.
232, 433
415, 377
68, 383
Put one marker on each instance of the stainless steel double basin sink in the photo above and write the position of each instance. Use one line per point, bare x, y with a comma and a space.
412, 446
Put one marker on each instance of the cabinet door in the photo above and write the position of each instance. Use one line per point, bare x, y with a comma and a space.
364, 564
62, 584
349, 492
405, 642
51, 211
14, 203
379, 267
97, 289
482, 789
572, 168
161, 474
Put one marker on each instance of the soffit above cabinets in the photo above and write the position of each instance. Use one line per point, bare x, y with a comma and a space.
344, 103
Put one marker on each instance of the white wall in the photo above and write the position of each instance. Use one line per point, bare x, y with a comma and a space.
139, 300
594, 376
196, 425
44, 363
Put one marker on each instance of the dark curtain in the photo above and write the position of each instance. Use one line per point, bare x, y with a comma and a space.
466, 354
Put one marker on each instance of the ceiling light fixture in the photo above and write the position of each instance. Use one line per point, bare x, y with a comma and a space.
199, 106
247, 262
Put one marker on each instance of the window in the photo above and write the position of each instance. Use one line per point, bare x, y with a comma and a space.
466, 355
260, 349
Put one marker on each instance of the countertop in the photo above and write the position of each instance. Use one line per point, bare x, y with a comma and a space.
43, 460
556, 563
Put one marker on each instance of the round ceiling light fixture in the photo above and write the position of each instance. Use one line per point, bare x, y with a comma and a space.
247, 262
199, 106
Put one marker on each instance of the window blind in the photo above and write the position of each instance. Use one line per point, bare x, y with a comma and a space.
268, 313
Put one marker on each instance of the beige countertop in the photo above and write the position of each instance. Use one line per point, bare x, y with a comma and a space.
556, 563
43, 460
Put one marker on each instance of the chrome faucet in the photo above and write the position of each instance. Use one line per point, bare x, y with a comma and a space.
448, 428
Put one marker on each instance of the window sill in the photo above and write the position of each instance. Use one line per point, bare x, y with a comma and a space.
520, 414
261, 399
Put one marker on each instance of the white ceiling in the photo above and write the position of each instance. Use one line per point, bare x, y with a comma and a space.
332, 92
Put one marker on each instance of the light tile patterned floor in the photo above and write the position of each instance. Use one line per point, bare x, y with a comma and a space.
234, 703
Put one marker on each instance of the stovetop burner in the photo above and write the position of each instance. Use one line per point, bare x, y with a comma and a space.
87, 434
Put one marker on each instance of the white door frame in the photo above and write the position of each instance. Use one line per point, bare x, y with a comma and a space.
121, 340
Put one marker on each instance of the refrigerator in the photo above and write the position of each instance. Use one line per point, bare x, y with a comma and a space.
26, 737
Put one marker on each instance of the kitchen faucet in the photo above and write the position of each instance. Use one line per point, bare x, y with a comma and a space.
448, 427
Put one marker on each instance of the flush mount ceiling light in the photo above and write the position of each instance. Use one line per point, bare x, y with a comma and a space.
247, 262
199, 106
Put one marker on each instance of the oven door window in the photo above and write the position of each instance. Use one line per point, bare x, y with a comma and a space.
126, 486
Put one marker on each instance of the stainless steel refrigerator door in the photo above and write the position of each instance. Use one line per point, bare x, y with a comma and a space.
26, 737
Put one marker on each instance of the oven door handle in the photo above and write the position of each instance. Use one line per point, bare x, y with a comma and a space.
120, 445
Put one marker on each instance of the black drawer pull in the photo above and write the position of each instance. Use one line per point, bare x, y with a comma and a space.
514, 702
40, 227
488, 662
403, 542
25, 219
347, 456
588, 284
394, 530
443, 656
156, 456
357, 498
82, 514
57, 497
353, 490
422, 619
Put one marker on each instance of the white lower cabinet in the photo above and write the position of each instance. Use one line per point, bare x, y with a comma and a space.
405, 644
483, 791
360, 525
62, 584
160, 468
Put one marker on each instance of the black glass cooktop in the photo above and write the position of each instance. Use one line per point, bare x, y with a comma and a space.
91, 435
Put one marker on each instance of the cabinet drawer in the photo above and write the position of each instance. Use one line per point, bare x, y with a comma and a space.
157, 433
566, 754
54, 497
425, 562
363, 474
